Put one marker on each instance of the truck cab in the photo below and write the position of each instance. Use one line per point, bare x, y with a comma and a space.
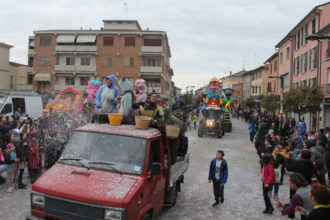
109, 172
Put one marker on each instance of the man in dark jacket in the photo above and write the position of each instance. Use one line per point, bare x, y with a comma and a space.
302, 165
218, 174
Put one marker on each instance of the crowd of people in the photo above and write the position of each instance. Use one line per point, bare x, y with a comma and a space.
291, 150
32, 145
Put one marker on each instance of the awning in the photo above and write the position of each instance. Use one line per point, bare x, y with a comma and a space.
31, 43
86, 38
65, 38
42, 77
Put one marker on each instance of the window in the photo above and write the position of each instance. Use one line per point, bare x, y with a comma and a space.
154, 155
129, 61
296, 65
85, 61
152, 42
328, 50
30, 79
313, 58
84, 81
281, 57
19, 103
69, 61
275, 67
69, 81
304, 35
129, 41
314, 26
304, 58
151, 61
286, 80
11, 83
45, 41
108, 41
30, 61
312, 82
44, 61
287, 53
297, 41
304, 82
271, 68
107, 61
269, 87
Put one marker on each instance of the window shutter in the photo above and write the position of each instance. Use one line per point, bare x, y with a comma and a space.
310, 59
315, 57
306, 58
126, 61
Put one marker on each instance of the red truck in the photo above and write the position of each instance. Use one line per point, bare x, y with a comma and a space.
109, 172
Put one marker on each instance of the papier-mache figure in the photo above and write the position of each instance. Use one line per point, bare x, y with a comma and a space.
126, 99
106, 97
213, 96
140, 93
229, 103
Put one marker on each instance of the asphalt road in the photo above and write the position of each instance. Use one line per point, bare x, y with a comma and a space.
243, 192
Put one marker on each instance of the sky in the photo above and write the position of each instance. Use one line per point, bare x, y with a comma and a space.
207, 38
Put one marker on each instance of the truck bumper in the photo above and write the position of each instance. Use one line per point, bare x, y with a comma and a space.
31, 217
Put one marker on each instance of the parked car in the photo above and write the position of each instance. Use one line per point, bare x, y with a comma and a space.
109, 172
29, 103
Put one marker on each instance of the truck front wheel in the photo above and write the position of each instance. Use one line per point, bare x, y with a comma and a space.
146, 216
175, 194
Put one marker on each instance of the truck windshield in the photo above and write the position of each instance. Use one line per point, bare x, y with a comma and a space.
123, 154
212, 114
2, 100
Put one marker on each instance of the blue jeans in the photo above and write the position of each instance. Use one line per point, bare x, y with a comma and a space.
276, 187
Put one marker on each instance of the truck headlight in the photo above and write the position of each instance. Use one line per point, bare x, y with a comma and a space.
38, 200
113, 214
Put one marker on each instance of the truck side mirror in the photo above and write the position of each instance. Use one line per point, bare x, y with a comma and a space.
155, 170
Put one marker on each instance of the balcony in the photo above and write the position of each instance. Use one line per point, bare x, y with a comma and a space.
154, 89
65, 68
25, 87
30, 70
86, 68
151, 49
75, 49
31, 52
84, 48
65, 48
150, 69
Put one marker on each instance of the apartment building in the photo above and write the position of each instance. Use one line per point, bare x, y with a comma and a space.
228, 81
246, 86
284, 64
12, 75
258, 83
324, 63
238, 93
272, 85
63, 58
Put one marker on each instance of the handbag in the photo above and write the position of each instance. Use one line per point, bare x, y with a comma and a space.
277, 172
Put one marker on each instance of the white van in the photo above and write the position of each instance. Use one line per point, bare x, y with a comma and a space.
29, 103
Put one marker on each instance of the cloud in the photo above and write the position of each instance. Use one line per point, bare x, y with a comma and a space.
207, 38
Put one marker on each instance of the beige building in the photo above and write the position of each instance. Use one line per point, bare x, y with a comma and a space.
63, 58
258, 83
284, 64
229, 81
13, 76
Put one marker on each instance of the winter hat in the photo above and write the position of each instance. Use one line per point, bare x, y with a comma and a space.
10, 145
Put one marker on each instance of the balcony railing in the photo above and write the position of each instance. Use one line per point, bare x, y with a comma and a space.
150, 69
151, 49
74, 68
75, 48
66, 68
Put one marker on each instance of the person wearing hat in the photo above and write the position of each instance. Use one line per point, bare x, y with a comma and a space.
106, 97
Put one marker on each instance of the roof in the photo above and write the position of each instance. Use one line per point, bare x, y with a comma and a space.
125, 130
16, 64
122, 21
315, 9
260, 67
238, 74
271, 57
6, 45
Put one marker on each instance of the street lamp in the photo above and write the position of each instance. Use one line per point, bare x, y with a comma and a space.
317, 37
